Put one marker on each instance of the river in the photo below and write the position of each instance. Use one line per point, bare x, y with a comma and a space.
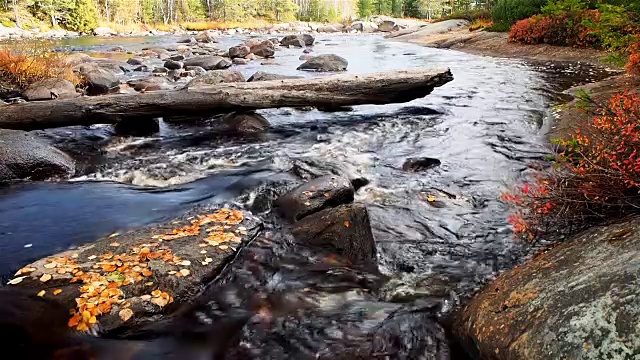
486, 127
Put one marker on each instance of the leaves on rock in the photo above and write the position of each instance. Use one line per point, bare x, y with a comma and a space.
125, 314
46, 277
16, 281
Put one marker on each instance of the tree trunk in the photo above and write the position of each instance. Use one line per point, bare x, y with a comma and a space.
326, 92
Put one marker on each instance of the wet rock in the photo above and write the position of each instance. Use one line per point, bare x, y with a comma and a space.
325, 62
137, 127
264, 76
240, 61
216, 77
160, 71
314, 196
305, 57
99, 81
578, 300
2, 103
344, 230
196, 69
205, 37
364, 26
209, 62
177, 57
307, 51
190, 40
239, 51
332, 28
76, 59
420, 164
23, 156
388, 26
174, 75
298, 40
265, 49
150, 84
332, 109
104, 31
50, 89
135, 61
163, 270
252, 42
172, 65
246, 122
142, 68
119, 49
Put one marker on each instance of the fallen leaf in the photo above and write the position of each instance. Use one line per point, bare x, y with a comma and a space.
185, 272
223, 247
201, 252
160, 301
50, 265
145, 297
347, 223
125, 314
74, 256
25, 270
113, 235
148, 283
92, 257
184, 263
17, 280
41, 293
307, 203
147, 273
56, 292
431, 198
114, 244
208, 260
45, 277
172, 272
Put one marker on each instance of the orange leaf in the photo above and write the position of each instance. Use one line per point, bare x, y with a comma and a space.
45, 277
56, 292
347, 223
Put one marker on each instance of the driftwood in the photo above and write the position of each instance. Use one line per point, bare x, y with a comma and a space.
328, 92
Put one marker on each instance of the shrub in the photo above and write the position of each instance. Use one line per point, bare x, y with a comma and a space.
595, 178
508, 12
540, 30
22, 68
633, 64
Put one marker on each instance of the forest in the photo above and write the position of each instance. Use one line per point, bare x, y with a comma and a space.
84, 15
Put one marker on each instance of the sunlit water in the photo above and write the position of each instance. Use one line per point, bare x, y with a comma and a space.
484, 127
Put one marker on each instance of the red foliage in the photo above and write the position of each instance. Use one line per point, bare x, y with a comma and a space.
633, 65
595, 178
562, 30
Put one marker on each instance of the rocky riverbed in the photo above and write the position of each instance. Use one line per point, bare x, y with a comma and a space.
398, 221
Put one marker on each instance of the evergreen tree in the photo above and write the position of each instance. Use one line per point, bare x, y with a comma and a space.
364, 8
82, 17
396, 8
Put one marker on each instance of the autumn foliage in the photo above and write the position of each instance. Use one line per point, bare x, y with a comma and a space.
596, 177
560, 29
633, 65
21, 68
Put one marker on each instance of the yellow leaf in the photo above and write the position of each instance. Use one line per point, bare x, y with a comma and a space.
114, 244
223, 247
125, 314
185, 272
184, 263
41, 293
45, 277
431, 198
50, 265
56, 292
17, 280
92, 257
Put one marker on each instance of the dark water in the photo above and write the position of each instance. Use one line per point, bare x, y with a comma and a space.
485, 128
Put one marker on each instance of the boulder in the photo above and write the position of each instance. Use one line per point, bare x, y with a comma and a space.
420, 164
196, 69
190, 40
263, 76
265, 49
50, 89
174, 75
135, 61
239, 51
297, 40
252, 42
142, 68
205, 37
177, 57
331, 28
240, 61
325, 62
137, 127
216, 77
314, 196
150, 84
160, 71
364, 26
99, 81
23, 156
578, 300
344, 230
245, 122
388, 26
104, 31
172, 65
305, 57
209, 62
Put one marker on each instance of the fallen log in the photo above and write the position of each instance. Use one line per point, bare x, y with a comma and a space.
330, 92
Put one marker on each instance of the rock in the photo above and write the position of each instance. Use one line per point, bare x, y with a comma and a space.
250, 57
205, 37
297, 40
364, 26
172, 65
196, 69
135, 61
104, 31
2, 103
150, 84
334, 28
137, 127
305, 57
388, 26
263, 76
578, 300
100, 81
314, 196
23, 156
240, 61
265, 49
142, 68
76, 59
160, 70
344, 230
420, 164
307, 51
325, 62
239, 51
252, 42
209, 62
119, 49
216, 77
177, 57
174, 74
50, 89
190, 40
245, 122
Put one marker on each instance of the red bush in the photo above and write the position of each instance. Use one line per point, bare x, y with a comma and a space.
633, 65
562, 30
597, 177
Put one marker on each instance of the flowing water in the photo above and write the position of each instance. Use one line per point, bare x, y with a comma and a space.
484, 127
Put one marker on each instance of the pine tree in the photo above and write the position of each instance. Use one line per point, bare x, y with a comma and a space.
364, 8
396, 8
82, 17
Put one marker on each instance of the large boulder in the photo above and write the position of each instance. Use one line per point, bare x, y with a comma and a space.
314, 196
344, 230
578, 300
265, 49
297, 40
23, 156
239, 51
420, 164
364, 26
216, 77
209, 62
264, 76
172, 65
325, 62
50, 89
245, 122
388, 26
331, 28
205, 37
98, 80
104, 31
